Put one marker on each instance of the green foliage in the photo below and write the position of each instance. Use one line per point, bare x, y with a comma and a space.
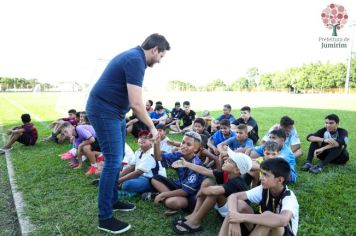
314, 77
62, 201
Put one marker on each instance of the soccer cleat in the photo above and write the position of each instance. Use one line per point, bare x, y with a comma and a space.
91, 170
113, 226
121, 206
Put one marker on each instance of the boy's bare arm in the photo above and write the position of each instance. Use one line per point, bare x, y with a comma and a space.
197, 168
213, 190
267, 218
233, 198
131, 175
157, 149
314, 139
213, 157
127, 170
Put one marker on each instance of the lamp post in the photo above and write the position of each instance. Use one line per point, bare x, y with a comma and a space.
347, 81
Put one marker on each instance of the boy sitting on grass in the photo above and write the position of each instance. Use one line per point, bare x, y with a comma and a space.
328, 144
84, 139
25, 134
279, 205
180, 193
239, 143
270, 151
279, 136
221, 135
214, 193
56, 126
137, 176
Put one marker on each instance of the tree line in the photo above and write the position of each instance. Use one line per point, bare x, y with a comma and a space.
7, 83
315, 77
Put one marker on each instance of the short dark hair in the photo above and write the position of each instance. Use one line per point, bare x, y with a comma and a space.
159, 103
242, 127
278, 166
25, 118
225, 122
158, 107
65, 124
186, 103
280, 133
228, 106
150, 102
156, 40
271, 146
72, 111
286, 121
333, 117
177, 104
200, 121
246, 108
161, 126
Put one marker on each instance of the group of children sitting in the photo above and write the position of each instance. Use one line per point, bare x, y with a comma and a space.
217, 162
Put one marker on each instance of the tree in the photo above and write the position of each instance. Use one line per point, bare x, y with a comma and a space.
334, 17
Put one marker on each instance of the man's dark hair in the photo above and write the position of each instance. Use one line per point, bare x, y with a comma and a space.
177, 104
246, 108
25, 118
72, 111
186, 103
286, 121
159, 107
278, 166
156, 40
333, 117
225, 122
280, 133
150, 102
200, 121
227, 106
159, 103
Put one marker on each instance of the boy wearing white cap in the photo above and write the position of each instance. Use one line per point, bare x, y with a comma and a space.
227, 182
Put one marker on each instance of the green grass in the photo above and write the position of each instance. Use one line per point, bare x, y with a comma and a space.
60, 200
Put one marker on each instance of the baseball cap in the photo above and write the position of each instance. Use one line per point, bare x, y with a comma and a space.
242, 161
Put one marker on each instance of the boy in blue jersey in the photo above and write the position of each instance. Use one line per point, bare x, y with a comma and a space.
241, 142
279, 136
221, 135
179, 193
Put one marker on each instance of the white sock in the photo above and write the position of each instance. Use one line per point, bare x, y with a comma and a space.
95, 165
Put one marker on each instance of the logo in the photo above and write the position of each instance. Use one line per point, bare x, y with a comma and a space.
192, 179
334, 17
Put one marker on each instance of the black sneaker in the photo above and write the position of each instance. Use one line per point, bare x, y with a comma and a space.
307, 166
315, 169
95, 182
121, 206
113, 226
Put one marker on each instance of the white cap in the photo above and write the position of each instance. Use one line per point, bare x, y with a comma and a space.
243, 162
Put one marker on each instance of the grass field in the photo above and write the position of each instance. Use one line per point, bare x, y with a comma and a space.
62, 201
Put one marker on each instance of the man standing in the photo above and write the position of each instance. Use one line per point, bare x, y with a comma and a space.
118, 89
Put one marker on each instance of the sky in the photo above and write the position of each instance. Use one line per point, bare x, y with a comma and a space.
74, 40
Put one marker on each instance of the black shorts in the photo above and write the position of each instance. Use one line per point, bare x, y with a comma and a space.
25, 139
95, 146
171, 185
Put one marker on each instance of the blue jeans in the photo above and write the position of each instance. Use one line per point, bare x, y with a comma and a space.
140, 185
111, 134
